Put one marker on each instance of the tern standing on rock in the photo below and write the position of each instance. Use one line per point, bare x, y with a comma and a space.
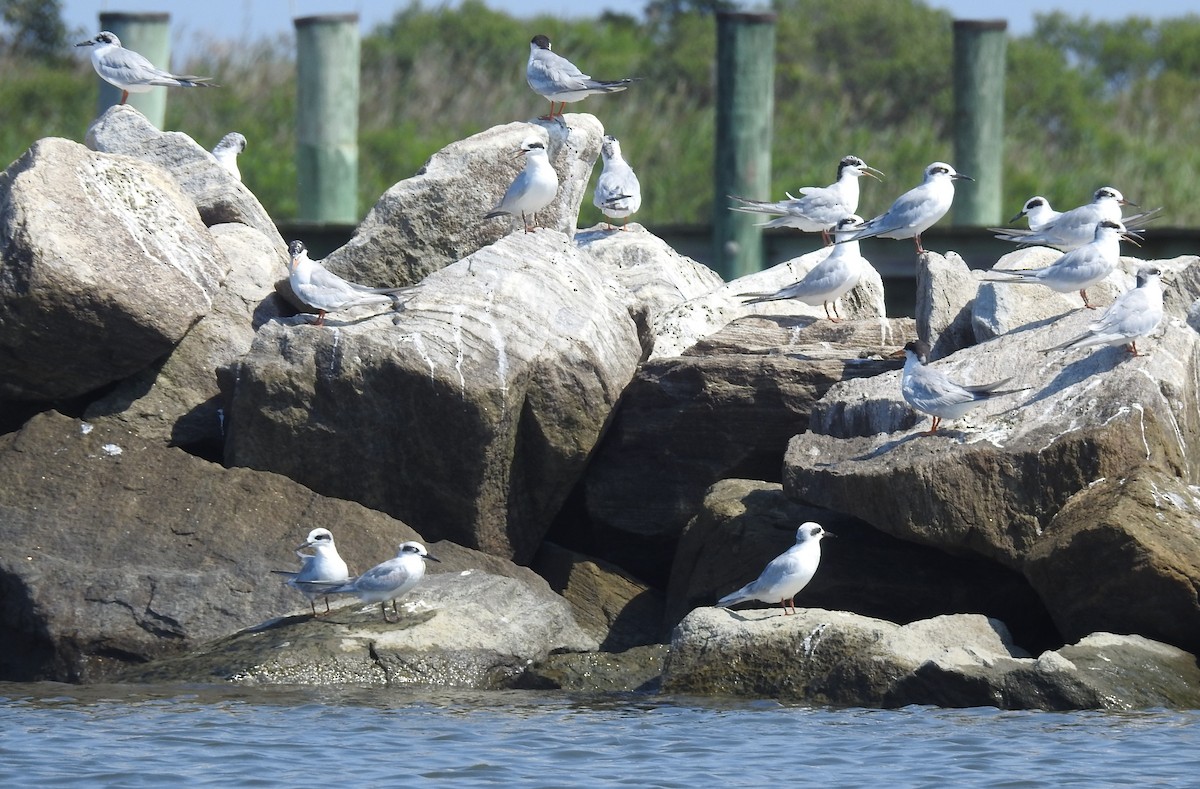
533, 189
931, 392
916, 210
836, 275
325, 291
618, 193
1133, 316
786, 574
385, 582
324, 566
227, 150
819, 208
130, 71
559, 80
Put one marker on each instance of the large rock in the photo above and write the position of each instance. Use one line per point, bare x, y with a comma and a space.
106, 265
833, 657
435, 218
470, 415
119, 550
726, 409
658, 278
466, 629
700, 317
746, 523
219, 196
178, 401
945, 293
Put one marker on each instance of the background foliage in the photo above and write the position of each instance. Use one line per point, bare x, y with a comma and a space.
1088, 103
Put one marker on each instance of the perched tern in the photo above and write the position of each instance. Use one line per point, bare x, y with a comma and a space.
1038, 211
929, 391
618, 193
1077, 227
819, 208
1078, 269
916, 210
389, 580
786, 574
227, 151
325, 566
130, 71
534, 187
559, 80
829, 280
325, 291
1133, 316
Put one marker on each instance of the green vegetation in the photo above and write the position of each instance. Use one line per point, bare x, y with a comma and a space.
1088, 103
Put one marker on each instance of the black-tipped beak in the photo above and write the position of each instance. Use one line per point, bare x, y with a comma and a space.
433, 558
1016, 217
961, 177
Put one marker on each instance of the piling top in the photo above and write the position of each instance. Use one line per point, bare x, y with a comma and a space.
981, 24
762, 18
123, 16
324, 19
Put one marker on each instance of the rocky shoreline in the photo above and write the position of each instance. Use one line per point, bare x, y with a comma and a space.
594, 435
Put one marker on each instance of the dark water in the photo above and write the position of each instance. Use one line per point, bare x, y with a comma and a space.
58, 735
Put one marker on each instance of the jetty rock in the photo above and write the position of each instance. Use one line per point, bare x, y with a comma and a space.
996, 483
966, 660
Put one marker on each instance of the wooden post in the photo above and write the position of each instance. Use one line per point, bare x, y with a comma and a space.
327, 82
149, 35
979, 64
745, 106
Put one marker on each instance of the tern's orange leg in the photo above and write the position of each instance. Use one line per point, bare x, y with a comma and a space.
1086, 303
124, 96
937, 420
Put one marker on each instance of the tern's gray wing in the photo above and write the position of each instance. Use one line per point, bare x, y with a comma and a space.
617, 188
930, 391
127, 67
550, 73
385, 577
326, 280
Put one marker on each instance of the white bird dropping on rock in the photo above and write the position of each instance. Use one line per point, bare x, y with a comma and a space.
786, 574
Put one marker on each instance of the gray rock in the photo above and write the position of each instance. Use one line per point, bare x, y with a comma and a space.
219, 196
478, 405
435, 218
466, 629
636, 670
657, 277
107, 266
945, 291
832, 657
697, 318
178, 401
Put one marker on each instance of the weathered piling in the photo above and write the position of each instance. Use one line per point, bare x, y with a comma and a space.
148, 34
745, 106
979, 62
327, 88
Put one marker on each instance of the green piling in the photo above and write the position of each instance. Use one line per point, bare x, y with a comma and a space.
979, 64
149, 35
745, 106
327, 86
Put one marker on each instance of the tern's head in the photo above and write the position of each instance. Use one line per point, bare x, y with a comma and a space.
532, 145
414, 548
943, 170
539, 42
1110, 227
852, 165
610, 146
318, 538
1148, 274
1108, 193
811, 531
103, 38
297, 251
848, 224
1035, 203
919, 350
233, 141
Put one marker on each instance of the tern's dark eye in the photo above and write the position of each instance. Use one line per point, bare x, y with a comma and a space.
1036, 203
940, 170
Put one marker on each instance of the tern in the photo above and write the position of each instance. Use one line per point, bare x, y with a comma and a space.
618, 193
325, 566
785, 575
130, 71
916, 210
387, 581
931, 392
1077, 227
1133, 316
1038, 212
559, 80
227, 150
533, 189
325, 291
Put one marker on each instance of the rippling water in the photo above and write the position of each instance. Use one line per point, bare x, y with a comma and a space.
59, 735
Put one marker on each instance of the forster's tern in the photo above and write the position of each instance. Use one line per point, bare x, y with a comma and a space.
1038, 211
916, 210
1072, 229
534, 187
387, 581
325, 566
827, 281
1134, 315
820, 208
929, 390
325, 291
130, 71
559, 80
1078, 269
786, 574
618, 193
227, 151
